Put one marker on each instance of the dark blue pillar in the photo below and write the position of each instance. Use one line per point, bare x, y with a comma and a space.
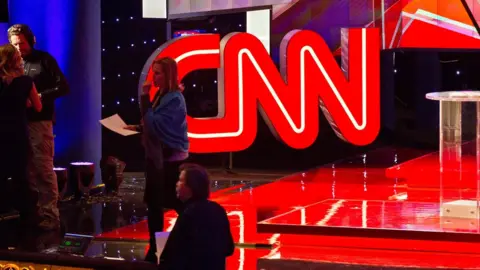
3, 21
3, 30
70, 31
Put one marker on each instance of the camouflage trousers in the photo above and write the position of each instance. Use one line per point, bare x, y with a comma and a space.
42, 177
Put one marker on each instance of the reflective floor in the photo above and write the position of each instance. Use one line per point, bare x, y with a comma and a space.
353, 193
272, 221
366, 218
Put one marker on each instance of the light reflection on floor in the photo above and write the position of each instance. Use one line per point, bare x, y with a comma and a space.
121, 231
353, 186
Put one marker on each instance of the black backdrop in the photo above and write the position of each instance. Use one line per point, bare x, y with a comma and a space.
3, 11
414, 121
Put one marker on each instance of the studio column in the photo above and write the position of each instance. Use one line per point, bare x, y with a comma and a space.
70, 30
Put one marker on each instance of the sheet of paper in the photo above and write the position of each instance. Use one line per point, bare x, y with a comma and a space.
116, 124
161, 239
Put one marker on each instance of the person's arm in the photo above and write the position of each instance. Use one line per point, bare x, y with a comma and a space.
177, 250
61, 87
230, 248
167, 116
231, 244
137, 128
35, 99
145, 104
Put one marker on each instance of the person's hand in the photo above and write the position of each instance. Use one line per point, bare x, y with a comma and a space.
147, 85
130, 127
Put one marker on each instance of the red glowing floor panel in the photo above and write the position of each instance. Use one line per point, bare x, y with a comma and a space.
425, 170
367, 212
288, 257
374, 219
248, 207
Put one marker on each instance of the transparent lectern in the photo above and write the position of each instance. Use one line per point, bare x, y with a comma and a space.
459, 154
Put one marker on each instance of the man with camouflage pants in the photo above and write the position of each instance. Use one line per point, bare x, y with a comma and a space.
51, 84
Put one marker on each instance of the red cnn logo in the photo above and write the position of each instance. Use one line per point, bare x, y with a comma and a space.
289, 101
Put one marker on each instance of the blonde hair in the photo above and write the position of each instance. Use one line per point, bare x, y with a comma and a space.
170, 70
10, 63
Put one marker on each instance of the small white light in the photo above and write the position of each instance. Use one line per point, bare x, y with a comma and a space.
117, 19
103, 21
118, 75
118, 102
214, 29
103, 49
215, 81
133, 99
118, 47
153, 40
240, 25
144, 42
458, 72
133, 73
103, 78
395, 71
131, 18
194, 85
132, 45
103, 106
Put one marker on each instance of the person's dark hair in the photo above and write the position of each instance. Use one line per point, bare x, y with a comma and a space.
21, 29
197, 179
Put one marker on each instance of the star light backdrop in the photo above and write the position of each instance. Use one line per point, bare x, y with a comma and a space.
128, 40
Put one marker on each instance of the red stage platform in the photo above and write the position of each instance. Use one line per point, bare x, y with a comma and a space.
425, 171
349, 212
374, 219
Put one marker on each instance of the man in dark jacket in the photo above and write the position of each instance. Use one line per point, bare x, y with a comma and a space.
201, 237
51, 84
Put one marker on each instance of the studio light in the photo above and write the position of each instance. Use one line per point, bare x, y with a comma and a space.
81, 178
112, 173
62, 181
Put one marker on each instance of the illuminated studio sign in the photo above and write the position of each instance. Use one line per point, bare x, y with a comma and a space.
310, 78
248, 79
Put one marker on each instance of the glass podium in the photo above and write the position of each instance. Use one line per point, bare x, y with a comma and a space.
459, 154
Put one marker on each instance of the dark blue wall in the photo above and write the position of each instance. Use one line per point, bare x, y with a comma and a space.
70, 31
3, 31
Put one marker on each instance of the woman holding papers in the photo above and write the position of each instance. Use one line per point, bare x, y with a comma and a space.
166, 144
17, 92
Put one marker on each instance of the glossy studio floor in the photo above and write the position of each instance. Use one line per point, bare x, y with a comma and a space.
377, 210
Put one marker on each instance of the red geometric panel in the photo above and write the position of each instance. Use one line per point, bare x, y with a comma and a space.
437, 24
474, 7
442, 24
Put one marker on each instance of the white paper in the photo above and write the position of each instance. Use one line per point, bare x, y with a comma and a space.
117, 125
160, 239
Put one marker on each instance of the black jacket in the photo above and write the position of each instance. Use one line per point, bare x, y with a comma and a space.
50, 83
200, 239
